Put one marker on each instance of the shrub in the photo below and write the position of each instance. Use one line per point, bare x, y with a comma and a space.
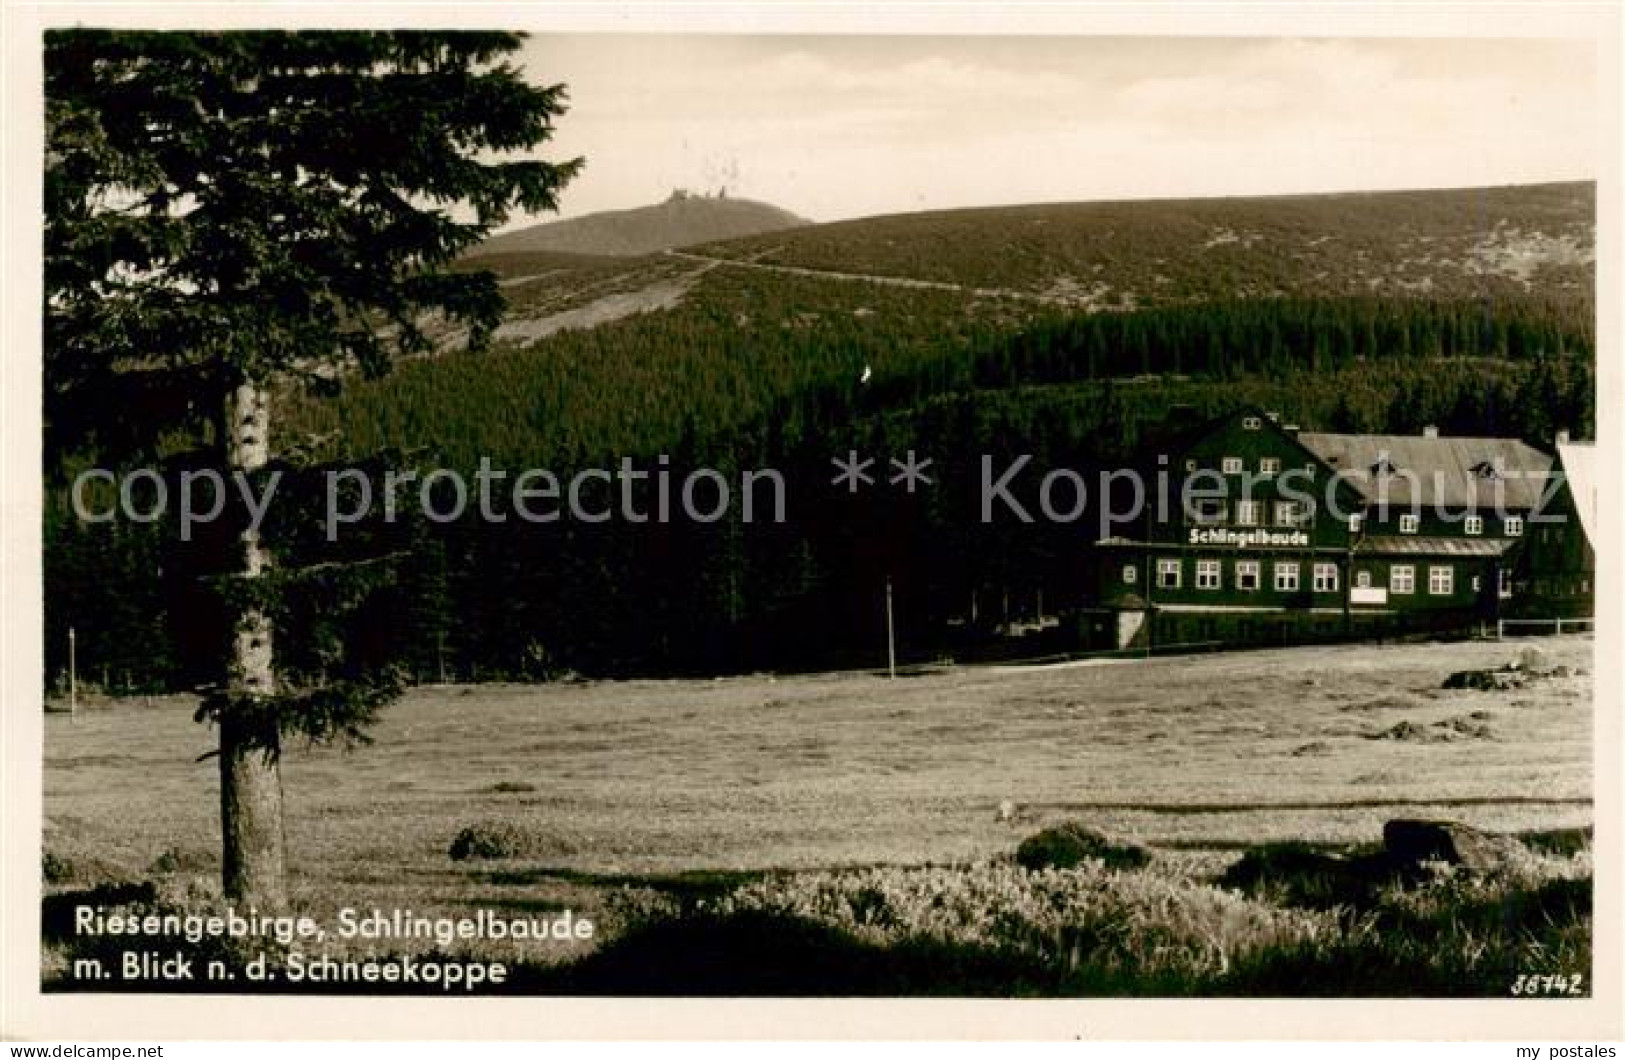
1294, 873
491, 839
184, 860
56, 868
497, 839
1068, 845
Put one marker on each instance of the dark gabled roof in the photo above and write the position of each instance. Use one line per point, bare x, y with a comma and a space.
1454, 472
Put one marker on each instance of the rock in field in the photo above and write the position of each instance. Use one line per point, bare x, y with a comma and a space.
1409, 843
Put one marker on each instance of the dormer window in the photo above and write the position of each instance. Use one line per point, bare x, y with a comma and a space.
1408, 524
1230, 465
1269, 465
1383, 468
1251, 423
1486, 471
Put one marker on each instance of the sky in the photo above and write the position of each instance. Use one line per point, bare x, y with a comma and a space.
832, 127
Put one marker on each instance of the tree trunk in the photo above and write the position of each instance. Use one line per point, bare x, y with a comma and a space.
253, 845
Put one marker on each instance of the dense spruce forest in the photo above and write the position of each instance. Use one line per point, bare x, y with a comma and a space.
761, 369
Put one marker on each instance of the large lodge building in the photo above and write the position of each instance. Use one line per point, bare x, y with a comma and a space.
1267, 533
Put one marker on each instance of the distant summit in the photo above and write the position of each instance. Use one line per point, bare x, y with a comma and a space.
682, 220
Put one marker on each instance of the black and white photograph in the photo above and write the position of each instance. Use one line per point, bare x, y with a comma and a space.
726, 511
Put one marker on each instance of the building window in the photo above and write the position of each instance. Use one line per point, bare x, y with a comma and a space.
1230, 465
1402, 579
1362, 580
1290, 513
1475, 524
1247, 513
1207, 574
1131, 574
1514, 526
1408, 524
1209, 511
1168, 573
1190, 465
1309, 469
1247, 574
1269, 465
1478, 584
1251, 423
1286, 577
1441, 581
1356, 521
1504, 583
1325, 577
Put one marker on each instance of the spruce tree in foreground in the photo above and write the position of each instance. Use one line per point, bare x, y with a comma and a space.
230, 213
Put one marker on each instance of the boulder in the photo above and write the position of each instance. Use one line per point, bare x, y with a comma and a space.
1409, 843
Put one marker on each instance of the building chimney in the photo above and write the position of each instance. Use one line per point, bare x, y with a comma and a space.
1430, 431
1563, 437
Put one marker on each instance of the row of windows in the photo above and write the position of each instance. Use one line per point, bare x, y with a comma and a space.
1295, 513
1247, 575
1250, 513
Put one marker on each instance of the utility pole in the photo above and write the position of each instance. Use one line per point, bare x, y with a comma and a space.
891, 635
73, 675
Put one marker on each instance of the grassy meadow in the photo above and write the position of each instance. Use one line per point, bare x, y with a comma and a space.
647, 804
